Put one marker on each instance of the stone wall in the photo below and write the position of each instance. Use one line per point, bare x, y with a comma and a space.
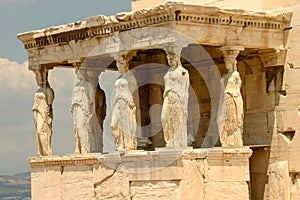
207, 174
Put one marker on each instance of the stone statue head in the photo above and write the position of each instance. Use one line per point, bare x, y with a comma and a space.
230, 63
121, 86
122, 64
173, 59
81, 74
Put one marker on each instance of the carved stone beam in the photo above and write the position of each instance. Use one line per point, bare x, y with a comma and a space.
273, 59
230, 54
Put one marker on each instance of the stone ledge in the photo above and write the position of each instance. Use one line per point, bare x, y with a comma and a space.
162, 154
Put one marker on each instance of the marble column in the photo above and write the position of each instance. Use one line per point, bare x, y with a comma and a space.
175, 106
126, 113
43, 113
231, 112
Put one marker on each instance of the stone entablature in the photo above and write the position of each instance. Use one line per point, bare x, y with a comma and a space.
169, 16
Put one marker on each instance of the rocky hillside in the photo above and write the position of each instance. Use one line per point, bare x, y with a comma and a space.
15, 187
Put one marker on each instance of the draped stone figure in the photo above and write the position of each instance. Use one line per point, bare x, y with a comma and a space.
86, 126
124, 117
231, 113
43, 113
123, 69
175, 106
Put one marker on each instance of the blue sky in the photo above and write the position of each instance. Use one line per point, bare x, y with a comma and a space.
17, 86
22, 15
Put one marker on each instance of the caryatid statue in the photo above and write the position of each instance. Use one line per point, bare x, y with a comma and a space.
122, 62
123, 123
175, 106
43, 113
231, 112
86, 126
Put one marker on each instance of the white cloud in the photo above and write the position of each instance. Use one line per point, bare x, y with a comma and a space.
15, 76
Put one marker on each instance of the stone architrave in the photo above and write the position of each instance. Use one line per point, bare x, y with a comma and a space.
175, 106
43, 113
86, 125
123, 123
231, 112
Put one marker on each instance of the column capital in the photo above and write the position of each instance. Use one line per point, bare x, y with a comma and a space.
122, 61
175, 47
230, 54
231, 51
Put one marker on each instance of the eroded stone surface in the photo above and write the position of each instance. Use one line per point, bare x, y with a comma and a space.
155, 190
226, 190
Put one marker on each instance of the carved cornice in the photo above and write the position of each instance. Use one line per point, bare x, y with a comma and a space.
102, 26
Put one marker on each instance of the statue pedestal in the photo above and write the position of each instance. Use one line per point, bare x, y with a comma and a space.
208, 174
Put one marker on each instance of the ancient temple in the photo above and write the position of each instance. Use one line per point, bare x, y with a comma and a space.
205, 104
